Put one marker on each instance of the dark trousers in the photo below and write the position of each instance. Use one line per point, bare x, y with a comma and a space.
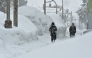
53, 37
72, 34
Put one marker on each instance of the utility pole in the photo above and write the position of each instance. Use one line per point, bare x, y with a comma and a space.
87, 15
62, 9
15, 13
56, 6
8, 9
45, 7
8, 22
71, 17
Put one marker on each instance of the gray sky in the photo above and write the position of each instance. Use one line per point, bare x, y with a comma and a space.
72, 5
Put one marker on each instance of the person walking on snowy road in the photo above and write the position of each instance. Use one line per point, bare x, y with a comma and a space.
72, 30
53, 30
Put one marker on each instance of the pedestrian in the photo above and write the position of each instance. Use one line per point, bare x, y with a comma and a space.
72, 30
53, 30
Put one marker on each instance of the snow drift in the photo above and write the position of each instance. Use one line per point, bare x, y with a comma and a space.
25, 32
38, 18
22, 32
43, 22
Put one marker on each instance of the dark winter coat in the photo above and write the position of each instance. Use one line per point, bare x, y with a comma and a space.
72, 29
53, 30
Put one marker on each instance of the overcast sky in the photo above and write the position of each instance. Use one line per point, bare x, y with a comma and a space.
72, 5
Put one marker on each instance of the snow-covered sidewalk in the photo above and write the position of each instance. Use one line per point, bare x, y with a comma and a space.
78, 47
17, 50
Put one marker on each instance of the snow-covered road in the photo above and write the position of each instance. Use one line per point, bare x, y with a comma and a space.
17, 50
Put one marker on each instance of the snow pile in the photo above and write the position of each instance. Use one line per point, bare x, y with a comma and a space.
38, 18
79, 47
16, 36
43, 22
25, 31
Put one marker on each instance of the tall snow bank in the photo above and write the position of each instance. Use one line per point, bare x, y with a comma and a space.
38, 18
26, 31
61, 28
15, 36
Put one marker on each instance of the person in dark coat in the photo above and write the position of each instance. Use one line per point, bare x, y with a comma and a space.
72, 30
53, 30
